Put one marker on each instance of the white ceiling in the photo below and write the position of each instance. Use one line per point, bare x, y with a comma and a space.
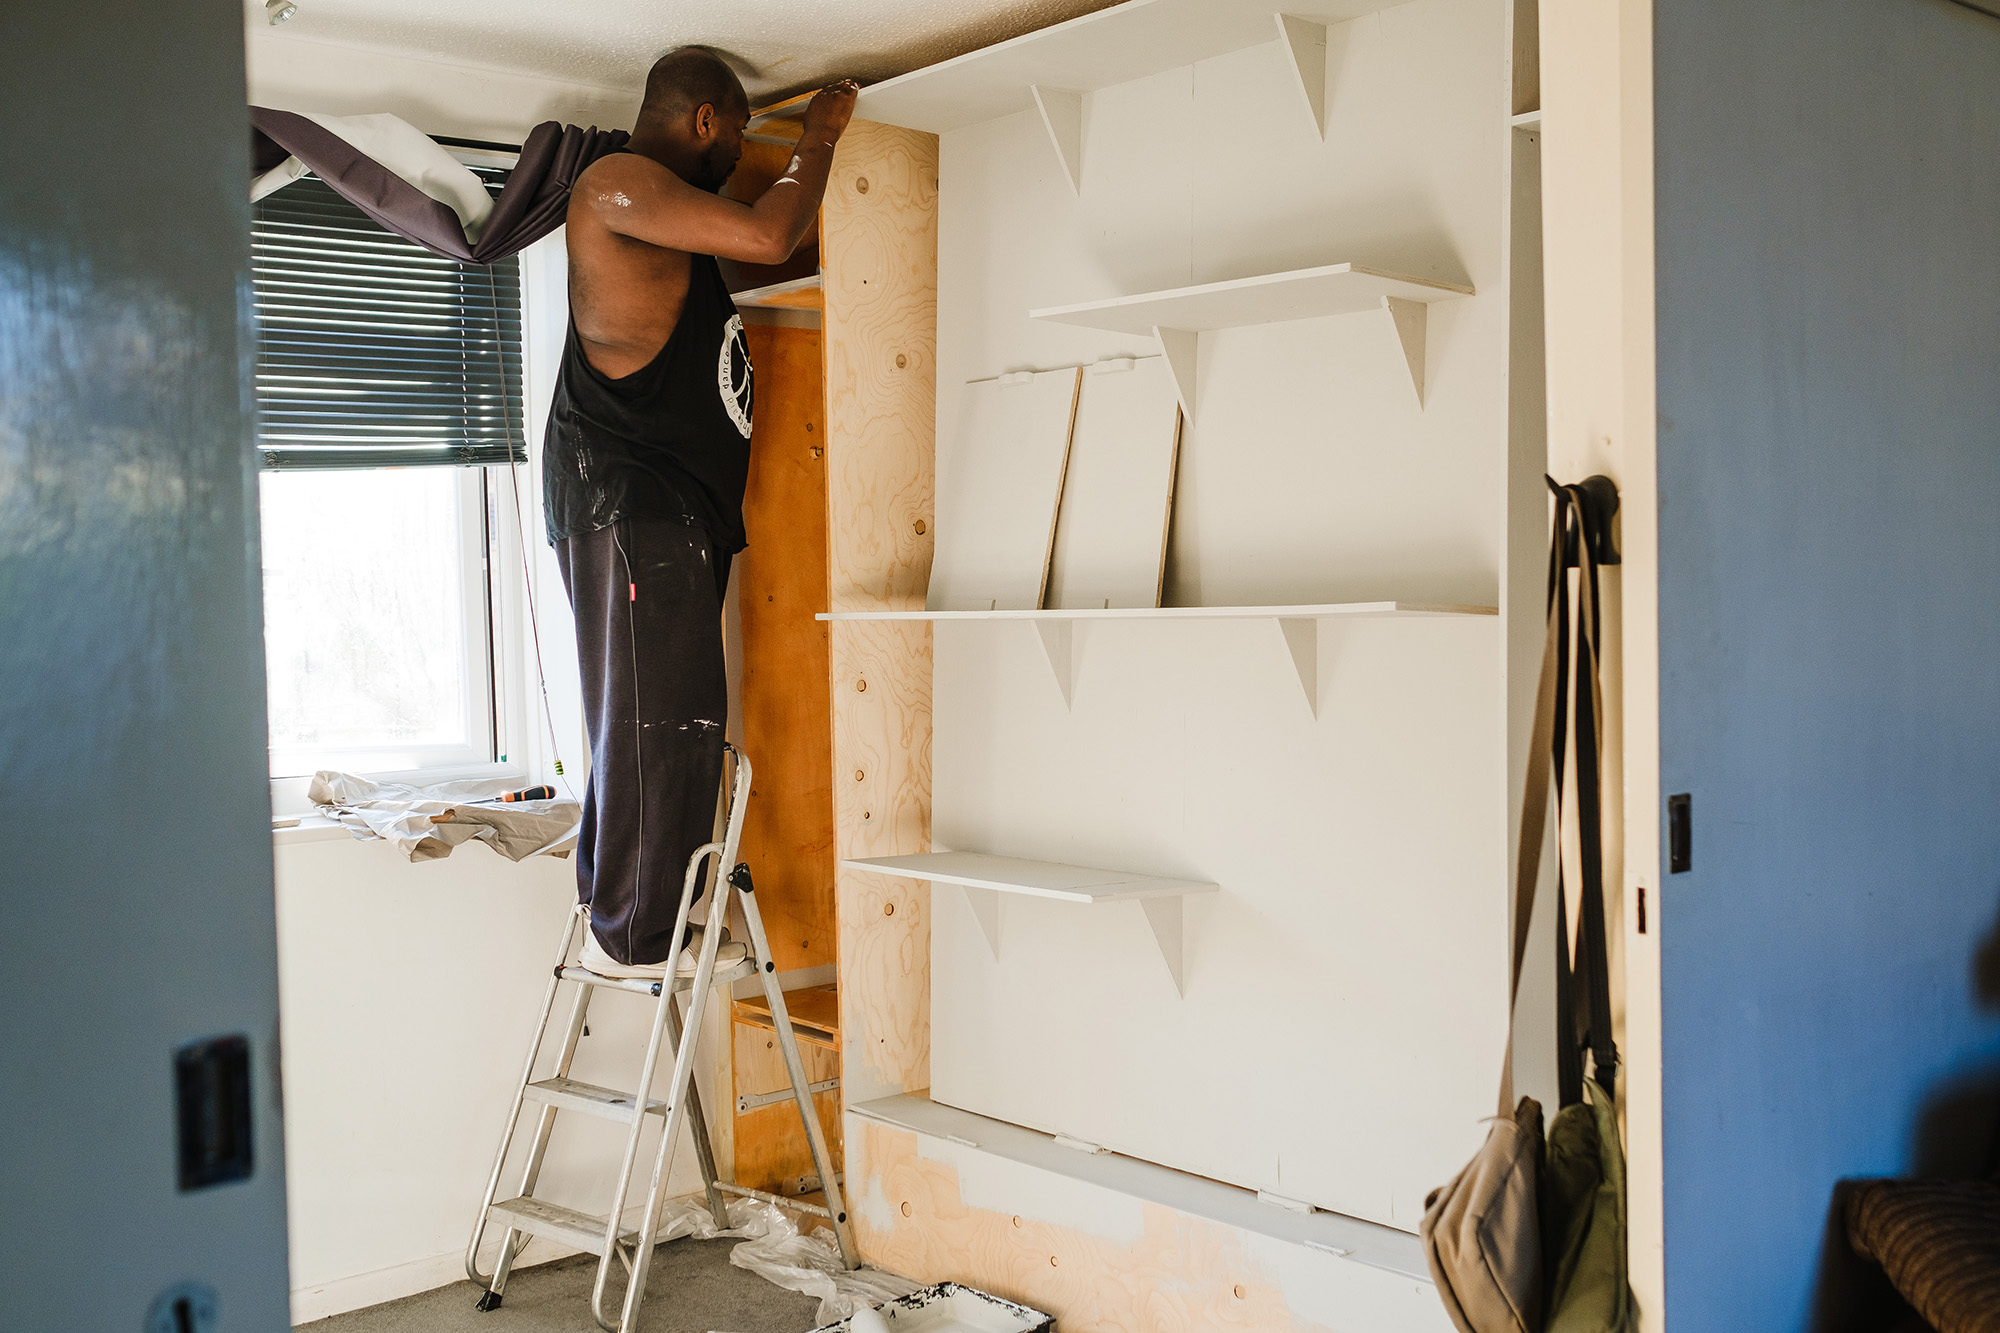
782, 46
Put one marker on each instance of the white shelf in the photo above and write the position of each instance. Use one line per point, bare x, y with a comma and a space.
1112, 46
1298, 625
1179, 316
1527, 120
984, 878
797, 294
1323, 611
1269, 298
1332, 1236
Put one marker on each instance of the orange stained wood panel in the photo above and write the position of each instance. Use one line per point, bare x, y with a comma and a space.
781, 585
756, 171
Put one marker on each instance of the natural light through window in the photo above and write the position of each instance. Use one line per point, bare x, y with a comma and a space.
375, 644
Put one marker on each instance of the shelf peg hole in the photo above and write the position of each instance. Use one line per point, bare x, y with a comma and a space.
907, 1210
888, 909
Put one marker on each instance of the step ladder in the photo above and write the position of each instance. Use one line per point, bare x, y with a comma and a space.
607, 1236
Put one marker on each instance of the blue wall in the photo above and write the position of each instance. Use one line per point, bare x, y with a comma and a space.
1828, 233
135, 866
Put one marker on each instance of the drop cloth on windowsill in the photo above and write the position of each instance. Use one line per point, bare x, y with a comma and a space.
425, 823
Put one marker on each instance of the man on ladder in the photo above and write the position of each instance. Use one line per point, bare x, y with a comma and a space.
644, 465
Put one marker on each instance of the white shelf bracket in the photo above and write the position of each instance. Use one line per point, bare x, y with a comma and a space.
1062, 117
1182, 348
1302, 639
1408, 318
1059, 643
1305, 43
985, 905
1165, 917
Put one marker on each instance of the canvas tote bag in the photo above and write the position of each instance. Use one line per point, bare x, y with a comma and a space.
1529, 1238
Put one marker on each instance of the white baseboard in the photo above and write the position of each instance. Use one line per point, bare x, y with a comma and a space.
325, 1299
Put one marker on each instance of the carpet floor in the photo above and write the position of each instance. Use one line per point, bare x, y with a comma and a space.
693, 1288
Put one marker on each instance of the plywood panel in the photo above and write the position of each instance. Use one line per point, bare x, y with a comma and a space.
998, 487
1101, 1262
1111, 540
781, 580
880, 289
771, 1150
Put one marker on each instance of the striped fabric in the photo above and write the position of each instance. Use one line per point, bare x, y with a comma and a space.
1939, 1242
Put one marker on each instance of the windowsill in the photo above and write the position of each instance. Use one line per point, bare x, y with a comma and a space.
288, 794
309, 828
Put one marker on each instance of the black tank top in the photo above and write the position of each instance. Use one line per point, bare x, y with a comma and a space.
670, 440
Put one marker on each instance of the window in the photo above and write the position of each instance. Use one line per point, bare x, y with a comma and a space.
389, 412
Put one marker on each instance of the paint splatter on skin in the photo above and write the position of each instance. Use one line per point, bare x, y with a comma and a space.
618, 197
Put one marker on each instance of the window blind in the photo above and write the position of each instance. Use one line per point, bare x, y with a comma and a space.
374, 352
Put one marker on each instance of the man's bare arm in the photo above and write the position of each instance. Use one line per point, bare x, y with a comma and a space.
637, 197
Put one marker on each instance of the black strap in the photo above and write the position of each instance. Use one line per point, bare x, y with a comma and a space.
1583, 984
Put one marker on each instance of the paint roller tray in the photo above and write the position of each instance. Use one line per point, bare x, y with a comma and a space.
950, 1308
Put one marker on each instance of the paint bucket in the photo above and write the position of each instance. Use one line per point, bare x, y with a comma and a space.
950, 1308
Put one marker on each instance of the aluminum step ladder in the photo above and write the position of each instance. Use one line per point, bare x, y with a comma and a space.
607, 1236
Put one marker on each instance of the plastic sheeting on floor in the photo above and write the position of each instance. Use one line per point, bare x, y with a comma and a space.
425, 823
774, 1249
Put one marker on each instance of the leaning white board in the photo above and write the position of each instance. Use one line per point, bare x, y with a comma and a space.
998, 488
1111, 536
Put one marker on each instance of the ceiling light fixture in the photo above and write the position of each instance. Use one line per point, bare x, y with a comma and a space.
279, 10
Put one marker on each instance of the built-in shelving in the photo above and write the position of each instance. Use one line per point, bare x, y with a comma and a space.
1299, 625
1179, 316
798, 294
984, 878
1528, 120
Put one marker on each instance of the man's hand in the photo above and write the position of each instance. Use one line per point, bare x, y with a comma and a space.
828, 113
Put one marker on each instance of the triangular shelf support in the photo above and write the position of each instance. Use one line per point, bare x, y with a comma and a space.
1062, 117
1182, 348
1408, 318
1059, 643
985, 905
1305, 44
1165, 917
1302, 639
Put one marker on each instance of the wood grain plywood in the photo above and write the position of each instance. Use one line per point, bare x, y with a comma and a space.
880, 294
879, 228
781, 581
1176, 1273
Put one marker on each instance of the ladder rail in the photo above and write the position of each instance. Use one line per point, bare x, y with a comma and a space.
683, 1076
760, 947
514, 1113
644, 1093
545, 1123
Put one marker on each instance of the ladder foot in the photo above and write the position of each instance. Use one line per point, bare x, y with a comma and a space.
488, 1300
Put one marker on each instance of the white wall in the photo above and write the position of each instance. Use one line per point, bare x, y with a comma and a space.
1344, 1019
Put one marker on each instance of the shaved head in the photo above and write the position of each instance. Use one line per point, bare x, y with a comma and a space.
687, 78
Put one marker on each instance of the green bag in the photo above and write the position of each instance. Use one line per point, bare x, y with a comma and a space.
1583, 1220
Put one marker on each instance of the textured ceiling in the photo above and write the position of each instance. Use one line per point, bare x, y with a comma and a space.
780, 46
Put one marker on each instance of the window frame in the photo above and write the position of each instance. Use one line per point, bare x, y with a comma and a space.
494, 603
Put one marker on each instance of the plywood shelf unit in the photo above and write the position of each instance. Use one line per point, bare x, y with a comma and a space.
814, 1011
1052, 70
1178, 317
985, 878
1299, 626
797, 294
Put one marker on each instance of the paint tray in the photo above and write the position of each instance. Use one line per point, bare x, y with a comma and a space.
950, 1308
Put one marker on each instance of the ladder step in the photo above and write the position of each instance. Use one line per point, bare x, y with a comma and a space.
582, 1231
570, 1095
724, 975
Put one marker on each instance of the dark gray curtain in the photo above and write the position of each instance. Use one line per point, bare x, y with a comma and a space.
530, 206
